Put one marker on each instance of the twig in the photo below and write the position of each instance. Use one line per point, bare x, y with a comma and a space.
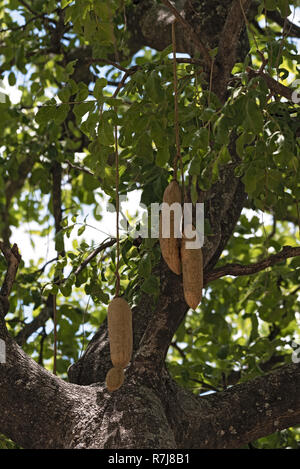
93, 254
179, 350
25, 4
272, 84
207, 386
22, 26
176, 115
129, 72
43, 335
137, 242
108, 62
270, 236
41, 269
79, 168
57, 213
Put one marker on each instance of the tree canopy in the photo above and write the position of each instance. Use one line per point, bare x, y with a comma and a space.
83, 69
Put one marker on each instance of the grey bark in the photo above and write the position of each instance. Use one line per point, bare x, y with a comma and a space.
39, 410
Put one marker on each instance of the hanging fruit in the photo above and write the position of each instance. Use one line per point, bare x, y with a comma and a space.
192, 268
170, 245
119, 314
119, 317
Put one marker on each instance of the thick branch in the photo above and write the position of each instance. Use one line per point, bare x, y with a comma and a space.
190, 31
11, 188
166, 318
37, 408
239, 269
223, 204
41, 411
239, 415
227, 48
13, 259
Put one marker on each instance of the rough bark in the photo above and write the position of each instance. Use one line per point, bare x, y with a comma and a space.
39, 410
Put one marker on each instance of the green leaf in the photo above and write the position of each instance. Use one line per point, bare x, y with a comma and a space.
61, 113
223, 351
64, 94
162, 156
213, 52
98, 89
64, 3
154, 88
151, 285
46, 114
65, 290
106, 132
82, 93
59, 241
254, 118
144, 268
250, 181
284, 7
81, 109
12, 79
81, 230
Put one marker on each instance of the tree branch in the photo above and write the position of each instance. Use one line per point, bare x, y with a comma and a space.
30, 328
13, 259
164, 322
227, 47
239, 269
190, 31
240, 414
80, 168
292, 30
34, 403
272, 84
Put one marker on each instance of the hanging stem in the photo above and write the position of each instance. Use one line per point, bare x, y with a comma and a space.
176, 117
55, 334
117, 292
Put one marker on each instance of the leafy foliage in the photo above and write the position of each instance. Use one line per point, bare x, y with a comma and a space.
61, 57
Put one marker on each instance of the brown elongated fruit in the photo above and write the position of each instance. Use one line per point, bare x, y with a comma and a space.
170, 245
192, 269
114, 379
119, 318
